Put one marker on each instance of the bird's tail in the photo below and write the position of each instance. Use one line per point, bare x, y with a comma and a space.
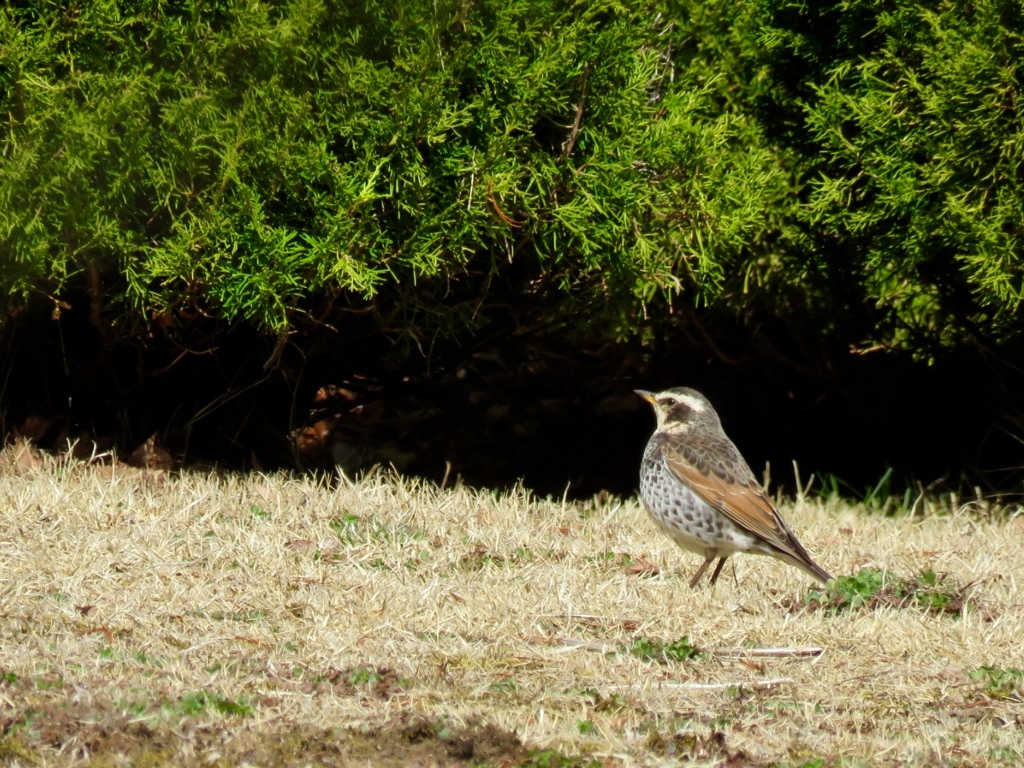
803, 561
812, 568
792, 551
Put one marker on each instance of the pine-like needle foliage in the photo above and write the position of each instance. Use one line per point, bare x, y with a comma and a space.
445, 163
428, 158
905, 122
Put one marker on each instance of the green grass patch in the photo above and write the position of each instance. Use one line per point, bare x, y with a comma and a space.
49, 682
247, 617
870, 588
353, 529
586, 727
503, 686
663, 652
1000, 683
358, 677
620, 559
881, 497
201, 703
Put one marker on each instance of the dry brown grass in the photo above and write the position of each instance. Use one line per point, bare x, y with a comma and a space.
223, 620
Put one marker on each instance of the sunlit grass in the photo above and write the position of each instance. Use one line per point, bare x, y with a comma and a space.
171, 601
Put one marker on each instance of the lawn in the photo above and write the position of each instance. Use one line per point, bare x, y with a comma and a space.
216, 620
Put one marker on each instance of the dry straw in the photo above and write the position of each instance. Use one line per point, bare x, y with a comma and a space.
358, 604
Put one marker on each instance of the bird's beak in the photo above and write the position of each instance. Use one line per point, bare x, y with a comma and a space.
648, 396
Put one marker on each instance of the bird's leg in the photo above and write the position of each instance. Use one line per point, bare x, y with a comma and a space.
718, 570
700, 571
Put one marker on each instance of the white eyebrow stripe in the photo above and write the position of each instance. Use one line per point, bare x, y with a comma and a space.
693, 402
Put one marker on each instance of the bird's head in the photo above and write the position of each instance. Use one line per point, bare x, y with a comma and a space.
679, 408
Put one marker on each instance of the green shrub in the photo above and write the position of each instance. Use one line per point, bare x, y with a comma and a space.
263, 161
903, 120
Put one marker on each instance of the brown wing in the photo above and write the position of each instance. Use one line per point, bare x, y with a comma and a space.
731, 488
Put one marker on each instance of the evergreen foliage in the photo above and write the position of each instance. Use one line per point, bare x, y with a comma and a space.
904, 123
434, 158
264, 162
770, 184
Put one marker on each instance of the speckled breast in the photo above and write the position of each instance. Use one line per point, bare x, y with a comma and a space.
682, 514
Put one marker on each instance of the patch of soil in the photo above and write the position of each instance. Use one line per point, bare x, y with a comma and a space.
692, 747
65, 732
418, 741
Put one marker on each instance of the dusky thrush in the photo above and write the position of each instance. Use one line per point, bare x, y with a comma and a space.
699, 490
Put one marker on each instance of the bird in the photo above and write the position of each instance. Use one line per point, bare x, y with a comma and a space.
698, 489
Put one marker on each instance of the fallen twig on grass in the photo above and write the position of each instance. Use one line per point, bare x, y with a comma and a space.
809, 652
597, 621
756, 684
771, 652
570, 642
